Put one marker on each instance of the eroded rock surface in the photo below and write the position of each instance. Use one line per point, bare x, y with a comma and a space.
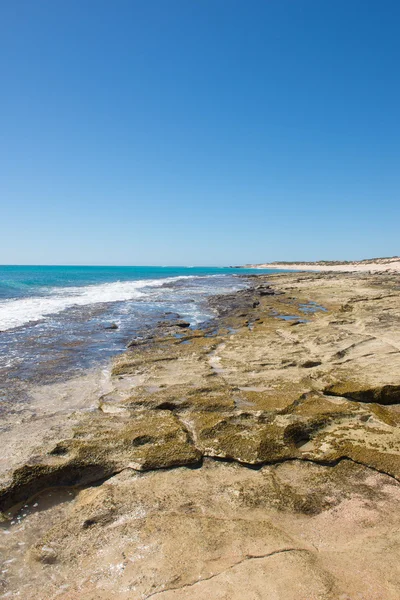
294, 530
257, 457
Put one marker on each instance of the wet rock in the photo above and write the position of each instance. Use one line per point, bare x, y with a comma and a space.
173, 323
266, 292
182, 324
138, 342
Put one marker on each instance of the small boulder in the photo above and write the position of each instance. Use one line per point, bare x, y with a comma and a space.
183, 324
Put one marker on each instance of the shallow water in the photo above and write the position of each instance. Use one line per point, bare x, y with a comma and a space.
53, 320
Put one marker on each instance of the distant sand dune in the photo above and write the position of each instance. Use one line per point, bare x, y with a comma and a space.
374, 265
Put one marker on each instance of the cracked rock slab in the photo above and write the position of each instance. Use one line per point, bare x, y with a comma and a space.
100, 446
295, 530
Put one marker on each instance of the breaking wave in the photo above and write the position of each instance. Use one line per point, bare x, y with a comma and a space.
16, 313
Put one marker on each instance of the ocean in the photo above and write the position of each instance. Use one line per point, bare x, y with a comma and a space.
53, 320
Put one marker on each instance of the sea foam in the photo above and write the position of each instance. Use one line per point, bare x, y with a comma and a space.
15, 313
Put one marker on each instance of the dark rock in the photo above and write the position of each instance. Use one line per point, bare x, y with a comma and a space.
179, 323
381, 394
134, 343
165, 324
182, 324
311, 363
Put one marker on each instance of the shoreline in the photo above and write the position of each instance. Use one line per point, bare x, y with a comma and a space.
284, 410
379, 265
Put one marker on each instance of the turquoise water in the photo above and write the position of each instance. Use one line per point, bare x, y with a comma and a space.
53, 320
23, 281
29, 294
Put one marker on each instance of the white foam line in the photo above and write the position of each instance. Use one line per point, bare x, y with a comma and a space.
15, 313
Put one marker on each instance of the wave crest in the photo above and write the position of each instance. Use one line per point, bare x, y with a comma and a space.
16, 313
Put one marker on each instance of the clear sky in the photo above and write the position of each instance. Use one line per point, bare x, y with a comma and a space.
198, 132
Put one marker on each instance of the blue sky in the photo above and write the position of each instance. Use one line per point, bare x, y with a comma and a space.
202, 132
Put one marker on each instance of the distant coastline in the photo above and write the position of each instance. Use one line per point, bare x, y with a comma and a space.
386, 264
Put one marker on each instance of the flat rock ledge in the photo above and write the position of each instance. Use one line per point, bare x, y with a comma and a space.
256, 457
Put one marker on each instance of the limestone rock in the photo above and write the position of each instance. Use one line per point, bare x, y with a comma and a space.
247, 459
294, 530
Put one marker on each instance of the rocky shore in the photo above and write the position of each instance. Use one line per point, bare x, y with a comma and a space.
256, 457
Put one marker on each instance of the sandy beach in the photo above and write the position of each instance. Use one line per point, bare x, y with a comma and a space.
373, 265
259, 453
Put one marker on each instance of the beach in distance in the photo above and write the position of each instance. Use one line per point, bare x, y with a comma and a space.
370, 265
